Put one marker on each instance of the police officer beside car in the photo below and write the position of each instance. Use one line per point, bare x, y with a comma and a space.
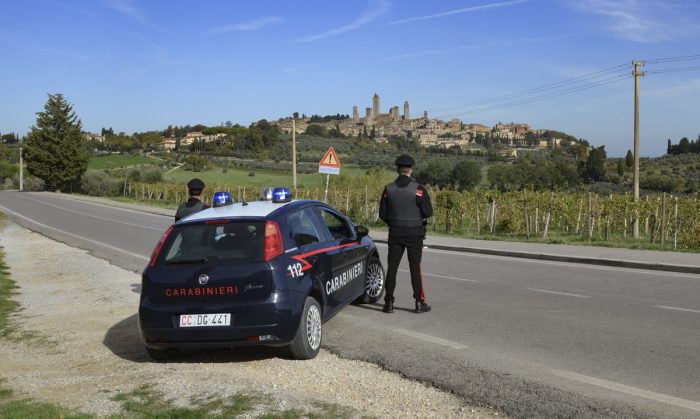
404, 206
194, 203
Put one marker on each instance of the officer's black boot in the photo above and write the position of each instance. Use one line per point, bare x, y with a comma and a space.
388, 306
422, 307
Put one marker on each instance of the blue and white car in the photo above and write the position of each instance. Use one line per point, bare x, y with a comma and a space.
257, 273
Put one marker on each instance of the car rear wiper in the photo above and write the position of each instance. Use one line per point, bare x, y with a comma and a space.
187, 261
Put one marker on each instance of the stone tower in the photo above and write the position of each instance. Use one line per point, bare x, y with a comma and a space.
405, 111
355, 115
375, 105
368, 117
395, 113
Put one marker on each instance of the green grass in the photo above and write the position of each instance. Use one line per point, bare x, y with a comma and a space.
235, 177
7, 291
116, 161
13, 407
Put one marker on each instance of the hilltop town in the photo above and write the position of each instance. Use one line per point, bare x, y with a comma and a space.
431, 132
509, 139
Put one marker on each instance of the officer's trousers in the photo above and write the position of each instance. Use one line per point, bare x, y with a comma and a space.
414, 247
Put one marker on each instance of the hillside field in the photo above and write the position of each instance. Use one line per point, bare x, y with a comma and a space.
116, 161
235, 177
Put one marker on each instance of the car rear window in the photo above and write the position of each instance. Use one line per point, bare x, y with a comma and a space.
235, 241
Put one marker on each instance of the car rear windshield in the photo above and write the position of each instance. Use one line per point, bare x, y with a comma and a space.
234, 241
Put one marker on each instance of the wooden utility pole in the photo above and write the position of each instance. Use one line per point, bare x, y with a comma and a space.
21, 168
294, 154
637, 75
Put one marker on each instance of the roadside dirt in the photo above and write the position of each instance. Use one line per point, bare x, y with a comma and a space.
84, 310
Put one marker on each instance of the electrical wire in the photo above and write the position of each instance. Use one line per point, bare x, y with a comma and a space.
587, 81
672, 70
673, 59
545, 96
546, 87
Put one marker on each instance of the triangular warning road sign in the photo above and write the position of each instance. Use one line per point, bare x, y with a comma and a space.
330, 159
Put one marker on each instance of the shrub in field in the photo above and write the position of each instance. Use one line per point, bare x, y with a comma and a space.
99, 184
152, 176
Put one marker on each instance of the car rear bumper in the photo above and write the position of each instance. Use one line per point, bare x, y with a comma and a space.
273, 322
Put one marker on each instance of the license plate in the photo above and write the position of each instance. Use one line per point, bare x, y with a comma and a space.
203, 320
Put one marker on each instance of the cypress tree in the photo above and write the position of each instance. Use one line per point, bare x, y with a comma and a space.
55, 148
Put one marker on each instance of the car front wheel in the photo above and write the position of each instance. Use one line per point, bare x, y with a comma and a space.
374, 282
307, 341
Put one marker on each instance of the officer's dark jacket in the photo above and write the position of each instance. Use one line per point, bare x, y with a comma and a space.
404, 206
190, 207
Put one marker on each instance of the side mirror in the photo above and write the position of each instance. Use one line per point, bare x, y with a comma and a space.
361, 231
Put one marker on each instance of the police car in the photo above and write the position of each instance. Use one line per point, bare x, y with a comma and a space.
267, 272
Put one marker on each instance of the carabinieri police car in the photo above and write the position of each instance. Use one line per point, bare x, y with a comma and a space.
255, 273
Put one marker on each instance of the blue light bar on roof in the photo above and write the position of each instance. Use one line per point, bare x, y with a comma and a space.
281, 195
222, 198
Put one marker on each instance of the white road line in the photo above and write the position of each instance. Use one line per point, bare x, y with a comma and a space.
645, 394
101, 204
431, 339
571, 264
92, 216
558, 293
74, 235
443, 276
689, 310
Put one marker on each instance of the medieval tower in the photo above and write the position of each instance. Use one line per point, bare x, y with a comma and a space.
375, 105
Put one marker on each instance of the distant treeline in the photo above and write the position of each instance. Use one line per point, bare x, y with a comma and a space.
684, 146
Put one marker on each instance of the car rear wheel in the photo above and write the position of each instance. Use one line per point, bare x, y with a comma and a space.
307, 341
162, 354
374, 282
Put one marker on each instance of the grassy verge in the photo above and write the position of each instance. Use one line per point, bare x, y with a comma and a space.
147, 402
14, 407
8, 288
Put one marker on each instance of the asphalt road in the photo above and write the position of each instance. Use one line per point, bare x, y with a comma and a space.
532, 338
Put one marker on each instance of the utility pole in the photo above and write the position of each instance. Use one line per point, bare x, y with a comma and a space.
294, 154
21, 168
637, 75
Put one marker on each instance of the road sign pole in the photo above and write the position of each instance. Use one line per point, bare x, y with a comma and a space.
325, 194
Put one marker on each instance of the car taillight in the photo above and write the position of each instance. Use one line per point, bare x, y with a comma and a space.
156, 251
273, 241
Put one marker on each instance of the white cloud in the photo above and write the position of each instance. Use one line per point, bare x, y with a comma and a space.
252, 25
126, 7
376, 9
459, 11
475, 46
644, 20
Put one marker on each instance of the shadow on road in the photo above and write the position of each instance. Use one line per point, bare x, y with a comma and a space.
124, 341
378, 307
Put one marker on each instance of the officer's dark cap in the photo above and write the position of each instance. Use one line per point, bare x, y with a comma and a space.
195, 184
404, 160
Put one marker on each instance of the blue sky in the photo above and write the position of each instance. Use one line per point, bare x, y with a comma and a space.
142, 65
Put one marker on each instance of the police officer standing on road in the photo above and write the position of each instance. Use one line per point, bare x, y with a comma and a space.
404, 206
194, 204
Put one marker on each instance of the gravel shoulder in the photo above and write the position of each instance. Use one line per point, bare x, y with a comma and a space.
84, 310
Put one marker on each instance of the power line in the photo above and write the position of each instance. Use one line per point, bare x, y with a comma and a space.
673, 59
567, 91
546, 87
673, 70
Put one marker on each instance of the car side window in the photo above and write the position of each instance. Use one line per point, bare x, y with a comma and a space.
302, 229
336, 225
